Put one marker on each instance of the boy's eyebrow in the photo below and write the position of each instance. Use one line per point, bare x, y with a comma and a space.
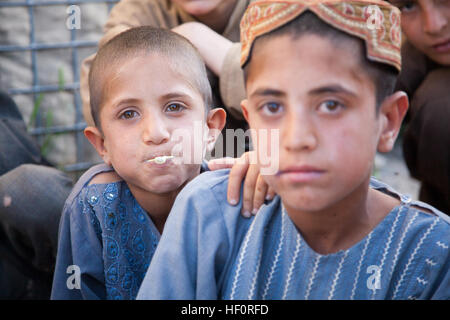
267, 92
167, 96
125, 101
326, 89
331, 89
176, 94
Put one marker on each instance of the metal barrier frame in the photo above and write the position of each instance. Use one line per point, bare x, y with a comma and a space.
74, 87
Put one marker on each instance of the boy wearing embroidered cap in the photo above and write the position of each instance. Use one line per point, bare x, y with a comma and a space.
320, 74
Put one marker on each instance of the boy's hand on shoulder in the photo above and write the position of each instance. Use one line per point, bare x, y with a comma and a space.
256, 190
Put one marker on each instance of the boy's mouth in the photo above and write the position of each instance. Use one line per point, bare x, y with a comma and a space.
297, 174
442, 47
159, 159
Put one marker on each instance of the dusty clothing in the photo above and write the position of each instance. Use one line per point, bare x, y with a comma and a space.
426, 142
228, 89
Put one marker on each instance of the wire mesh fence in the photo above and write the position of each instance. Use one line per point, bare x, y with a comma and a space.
38, 44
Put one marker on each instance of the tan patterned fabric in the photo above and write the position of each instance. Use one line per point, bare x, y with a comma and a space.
376, 22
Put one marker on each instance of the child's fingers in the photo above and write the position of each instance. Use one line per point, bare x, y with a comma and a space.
221, 163
237, 175
249, 190
270, 193
260, 194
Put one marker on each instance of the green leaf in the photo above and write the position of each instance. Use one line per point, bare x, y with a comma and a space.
49, 119
36, 107
46, 145
61, 81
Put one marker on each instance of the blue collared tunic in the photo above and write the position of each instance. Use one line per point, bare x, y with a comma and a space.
208, 251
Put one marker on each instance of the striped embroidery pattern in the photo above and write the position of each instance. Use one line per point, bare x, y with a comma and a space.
338, 273
397, 287
251, 295
397, 253
277, 255
292, 266
363, 254
241, 259
311, 280
387, 247
442, 245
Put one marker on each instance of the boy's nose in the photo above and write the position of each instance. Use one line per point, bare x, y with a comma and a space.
299, 133
433, 19
155, 131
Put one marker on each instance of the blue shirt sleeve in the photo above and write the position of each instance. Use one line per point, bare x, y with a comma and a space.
435, 267
197, 242
79, 264
443, 290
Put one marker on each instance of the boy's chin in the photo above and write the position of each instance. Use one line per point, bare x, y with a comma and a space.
164, 189
166, 185
442, 59
303, 202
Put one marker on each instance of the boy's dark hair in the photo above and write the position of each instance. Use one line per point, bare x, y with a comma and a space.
180, 53
383, 76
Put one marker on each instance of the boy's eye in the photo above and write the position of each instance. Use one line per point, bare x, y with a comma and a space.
128, 114
175, 107
407, 6
271, 108
330, 106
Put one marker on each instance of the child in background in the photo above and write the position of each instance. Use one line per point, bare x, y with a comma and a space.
425, 77
147, 84
320, 76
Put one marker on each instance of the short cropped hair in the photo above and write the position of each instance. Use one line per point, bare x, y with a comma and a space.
180, 53
383, 76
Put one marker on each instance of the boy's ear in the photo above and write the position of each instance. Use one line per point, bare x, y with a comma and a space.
244, 104
95, 137
392, 111
215, 122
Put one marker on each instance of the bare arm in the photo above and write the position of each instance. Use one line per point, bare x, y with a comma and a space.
212, 46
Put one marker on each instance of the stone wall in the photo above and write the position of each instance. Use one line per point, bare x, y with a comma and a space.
53, 65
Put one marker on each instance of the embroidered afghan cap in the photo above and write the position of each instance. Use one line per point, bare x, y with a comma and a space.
375, 21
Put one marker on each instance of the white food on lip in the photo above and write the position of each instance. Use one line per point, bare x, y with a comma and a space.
160, 160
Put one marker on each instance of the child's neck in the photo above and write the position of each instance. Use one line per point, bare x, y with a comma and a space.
344, 224
157, 206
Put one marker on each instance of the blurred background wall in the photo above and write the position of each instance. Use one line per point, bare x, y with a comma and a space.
42, 44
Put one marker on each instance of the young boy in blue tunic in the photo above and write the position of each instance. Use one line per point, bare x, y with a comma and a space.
319, 73
148, 86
